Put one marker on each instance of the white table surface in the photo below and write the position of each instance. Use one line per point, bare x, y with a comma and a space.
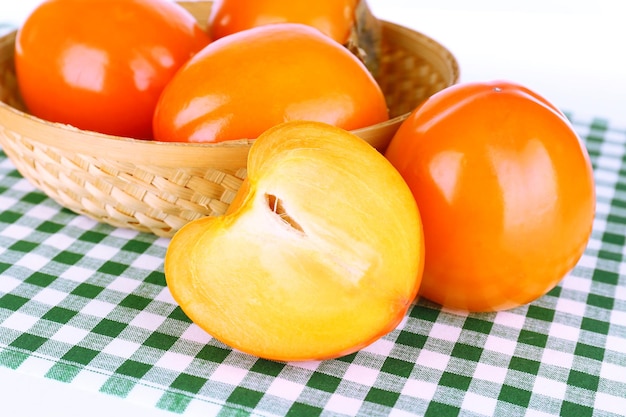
570, 52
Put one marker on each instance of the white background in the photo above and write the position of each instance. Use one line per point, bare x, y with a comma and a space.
570, 51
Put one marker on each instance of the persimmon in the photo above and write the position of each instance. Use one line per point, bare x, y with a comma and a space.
348, 22
243, 84
101, 65
320, 254
505, 189
335, 18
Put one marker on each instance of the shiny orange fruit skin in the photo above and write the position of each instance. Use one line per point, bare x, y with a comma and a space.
101, 65
243, 84
506, 193
334, 18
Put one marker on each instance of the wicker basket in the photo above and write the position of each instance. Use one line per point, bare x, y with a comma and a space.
158, 187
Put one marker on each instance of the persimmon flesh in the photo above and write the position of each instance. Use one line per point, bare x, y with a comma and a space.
320, 255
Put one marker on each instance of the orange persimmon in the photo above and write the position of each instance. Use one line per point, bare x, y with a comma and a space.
348, 22
335, 18
243, 84
101, 65
506, 192
320, 255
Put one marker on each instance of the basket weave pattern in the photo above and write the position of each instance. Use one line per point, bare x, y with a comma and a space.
158, 187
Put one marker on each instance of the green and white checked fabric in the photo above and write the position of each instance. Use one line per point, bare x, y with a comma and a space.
86, 304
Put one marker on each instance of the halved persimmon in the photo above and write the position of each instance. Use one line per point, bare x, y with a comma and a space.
321, 254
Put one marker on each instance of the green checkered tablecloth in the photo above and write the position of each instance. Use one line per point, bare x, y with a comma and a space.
86, 304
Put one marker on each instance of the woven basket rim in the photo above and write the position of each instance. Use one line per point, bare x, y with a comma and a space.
73, 131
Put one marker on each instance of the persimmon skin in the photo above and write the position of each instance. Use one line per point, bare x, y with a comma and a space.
334, 18
505, 190
243, 84
101, 65
305, 266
